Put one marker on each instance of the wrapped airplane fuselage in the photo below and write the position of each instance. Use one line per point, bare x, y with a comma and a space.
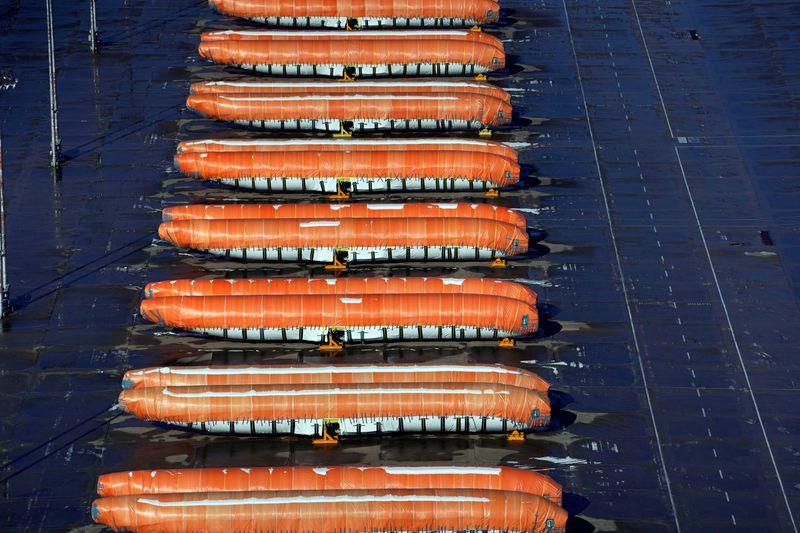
356, 14
411, 476
332, 511
348, 232
356, 408
317, 165
360, 54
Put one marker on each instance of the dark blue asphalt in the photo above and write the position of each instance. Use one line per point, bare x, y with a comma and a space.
664, 177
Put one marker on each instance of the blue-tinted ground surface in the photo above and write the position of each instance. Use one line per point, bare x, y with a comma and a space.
663, 177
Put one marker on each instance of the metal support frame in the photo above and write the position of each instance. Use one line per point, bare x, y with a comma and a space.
336, 264
507, 342
331, 344
516, 436
5, 306
330, 436
55, 140
94, 35
498, 262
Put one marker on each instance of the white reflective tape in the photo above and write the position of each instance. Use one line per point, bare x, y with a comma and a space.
365, 369
344, 34
359, 84
423, 470
311, 499
386, 207
312, 142
320, 224
333, 97
328, 392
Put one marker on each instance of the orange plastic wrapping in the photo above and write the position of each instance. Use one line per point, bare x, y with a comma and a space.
192, 376
366, 401
200, 313
363, 36
343, 212
471, 11
455, 52
351, 165
345, 511
335, 145
339, 287
502, 238
389, 111
351, 88
329, 478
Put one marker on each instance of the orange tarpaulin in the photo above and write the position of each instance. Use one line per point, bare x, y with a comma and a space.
350, 401
200, 313
352, 88
370, 53
336, 145
288, 375
501, 238
362, 36
344, 212
339, 286
370, 13
381, 111
495, 170
329, 478
345, 511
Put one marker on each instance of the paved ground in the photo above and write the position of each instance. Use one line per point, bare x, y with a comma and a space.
669, 260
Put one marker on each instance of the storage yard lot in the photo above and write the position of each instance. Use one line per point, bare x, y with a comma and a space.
659, 180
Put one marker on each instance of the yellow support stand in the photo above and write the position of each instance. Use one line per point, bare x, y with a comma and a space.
516, 436
485, 132
507, 343
340, 194
336, 265
327, 439
332, 345
492, 193
499, 263
346, 76
475, 28
481, 77
348, 27
343, 133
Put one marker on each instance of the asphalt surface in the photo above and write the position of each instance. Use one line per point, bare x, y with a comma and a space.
661, 184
